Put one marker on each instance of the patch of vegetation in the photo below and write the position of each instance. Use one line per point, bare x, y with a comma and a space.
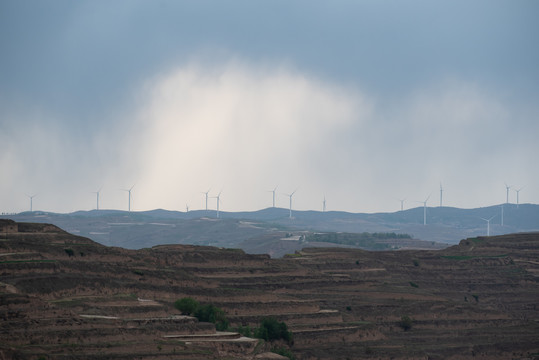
283, 352
69, 252
67, 302
245, 330
363, 240
416, 262
213, 314
270, 329
205, 313
413, 284
186, 305
294, 255
125, 296
476, 297
477, 240
406, 322
234, 250
138, 272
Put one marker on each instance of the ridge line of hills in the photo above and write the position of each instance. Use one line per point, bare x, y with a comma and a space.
271, 231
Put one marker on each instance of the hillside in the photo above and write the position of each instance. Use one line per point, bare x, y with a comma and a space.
64, 296
262, 231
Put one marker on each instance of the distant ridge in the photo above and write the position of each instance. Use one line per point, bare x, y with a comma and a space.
247, 229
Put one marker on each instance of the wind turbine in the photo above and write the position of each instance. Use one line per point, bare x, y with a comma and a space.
273, 191
441, 193
518, 191
290, 196
324, 204
97, 196
206, 193
218, 197
31, 201
488, 224
402, 203
425, 210
129, 197
186, 208
507, 187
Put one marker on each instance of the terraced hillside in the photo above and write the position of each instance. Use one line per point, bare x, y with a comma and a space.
63, 296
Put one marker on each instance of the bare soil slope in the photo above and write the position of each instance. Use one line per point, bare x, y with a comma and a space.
63, 296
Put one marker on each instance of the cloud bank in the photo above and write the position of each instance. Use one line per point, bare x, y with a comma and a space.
244, 128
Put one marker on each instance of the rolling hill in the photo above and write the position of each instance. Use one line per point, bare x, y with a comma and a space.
263, 231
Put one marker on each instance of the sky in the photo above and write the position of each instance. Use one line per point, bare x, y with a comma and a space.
363, 103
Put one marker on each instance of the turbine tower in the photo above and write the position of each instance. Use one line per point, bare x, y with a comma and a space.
129, 197
324, 204
507, 187
273, 191
97, 197
218, 197
290, 196
402, 203
31, 201
441, 193
425, 210
518, 191
488, 224
206, 193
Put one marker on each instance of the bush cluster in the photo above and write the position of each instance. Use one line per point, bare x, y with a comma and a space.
271, 329
206, 313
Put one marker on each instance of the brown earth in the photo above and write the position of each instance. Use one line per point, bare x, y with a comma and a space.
63, 296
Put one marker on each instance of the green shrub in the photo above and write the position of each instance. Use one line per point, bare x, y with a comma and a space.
416, 262
284, 352
413, 284
244, 330
186, 305
271, 329
69, 252
211, 313
405, 323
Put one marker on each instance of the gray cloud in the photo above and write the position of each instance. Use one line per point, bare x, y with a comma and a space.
364, 102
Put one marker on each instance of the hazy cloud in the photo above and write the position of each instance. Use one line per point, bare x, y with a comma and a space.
364, 102
244, 129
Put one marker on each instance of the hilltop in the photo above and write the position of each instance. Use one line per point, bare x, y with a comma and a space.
65, 296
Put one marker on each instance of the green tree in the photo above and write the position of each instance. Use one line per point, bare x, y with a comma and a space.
271, 329
213, 314
187, 305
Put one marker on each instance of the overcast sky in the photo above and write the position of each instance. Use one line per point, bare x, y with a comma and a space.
363, 102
